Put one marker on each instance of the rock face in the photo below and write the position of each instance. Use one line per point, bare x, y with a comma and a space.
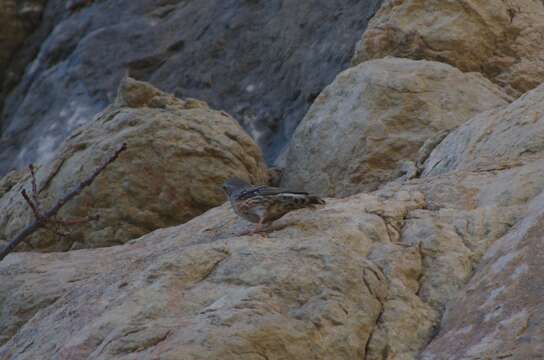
504, 40
17, 20
442, 261
368, 276
310, 290
500, 313
375, 115
263, 62
363, 277
496, 160
505, 137
179, 153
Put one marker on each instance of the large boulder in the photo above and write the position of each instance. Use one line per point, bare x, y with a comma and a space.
483, 182
315, 288
264, 62
375, 115
507, 137
504, 40
494, 163
179, 153
500, 313
367, 276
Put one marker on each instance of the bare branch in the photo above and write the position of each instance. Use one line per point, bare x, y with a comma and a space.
33, 206
39, 222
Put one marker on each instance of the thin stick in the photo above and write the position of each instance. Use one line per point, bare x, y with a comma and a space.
33, 206
55, 209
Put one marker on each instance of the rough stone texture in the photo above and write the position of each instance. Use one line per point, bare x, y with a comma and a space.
179, 153
375, 115
489, 168
500, 313
312, 289
497, 139
9, 181
493, 163
368, 276
503, 39
363, 277
17, 20
262, 61
458, 235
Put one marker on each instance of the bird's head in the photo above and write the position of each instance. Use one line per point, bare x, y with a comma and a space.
234, 185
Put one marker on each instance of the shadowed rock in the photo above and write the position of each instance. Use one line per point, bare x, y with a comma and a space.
264, 62
374, 116
179, 153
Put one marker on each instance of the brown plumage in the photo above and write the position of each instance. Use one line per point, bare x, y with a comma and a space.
264, 204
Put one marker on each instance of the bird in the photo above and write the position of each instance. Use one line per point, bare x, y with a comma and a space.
263, 204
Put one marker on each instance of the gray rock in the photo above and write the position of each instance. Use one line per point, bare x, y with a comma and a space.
18, 20
262, 61
502, 138
310, 290
376, 115
179, 153
500, 312
367, 276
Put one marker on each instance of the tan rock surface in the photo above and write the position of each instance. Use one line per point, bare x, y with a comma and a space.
504, 40
377, 114
9, 181
368, 275
179, 153
310, 290
478, 182
503, 138
500, 313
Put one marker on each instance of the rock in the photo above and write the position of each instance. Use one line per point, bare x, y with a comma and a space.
493, 163
482, 186
488, 171
9, 181
504, 40
313, 288
500, 313
374, 116
262, 62
465, 214
179, 153
503, 138
17, 20
405, 318
367, 276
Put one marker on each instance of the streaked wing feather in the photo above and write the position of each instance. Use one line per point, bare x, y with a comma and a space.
264, 190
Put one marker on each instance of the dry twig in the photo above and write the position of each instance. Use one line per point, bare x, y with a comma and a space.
42, 218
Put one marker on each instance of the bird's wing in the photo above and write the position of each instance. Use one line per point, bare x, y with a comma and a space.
264, 190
